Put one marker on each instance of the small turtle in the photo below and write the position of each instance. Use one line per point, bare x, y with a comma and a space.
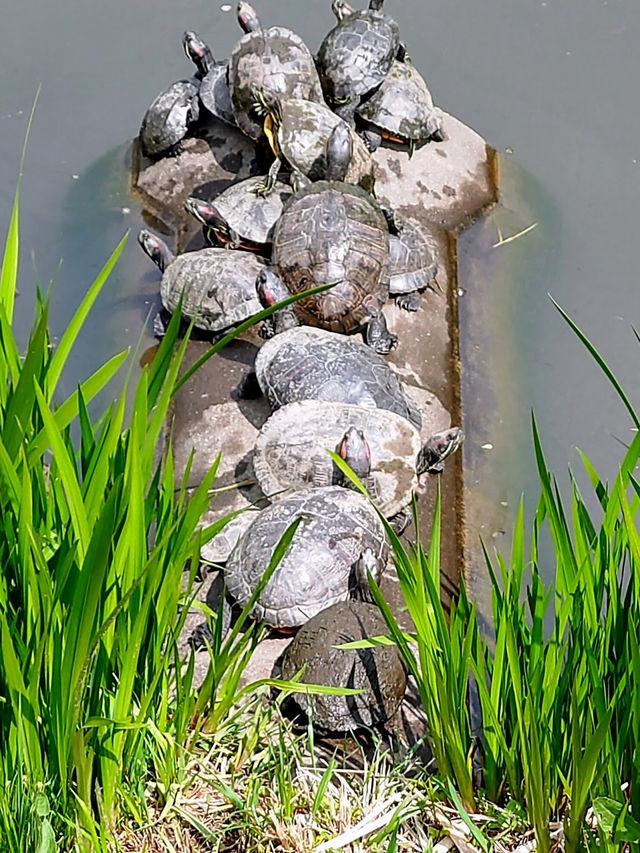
305, 363
413, 263
356, 55
170, 116
300, 133
276, 58
383, 448
214, 89
401, 110
340, 539
217, 286
239, 218
377, 671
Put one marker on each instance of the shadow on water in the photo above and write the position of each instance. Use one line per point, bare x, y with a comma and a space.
505, 273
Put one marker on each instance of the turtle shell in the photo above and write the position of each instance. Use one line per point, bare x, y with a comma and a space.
305, 128
169, 117
291, 450
413, 258
378, 671
215, 95
402, 108
253, 216
334, 232
316, 571
312, 364
356, 55
218, 287
276, 59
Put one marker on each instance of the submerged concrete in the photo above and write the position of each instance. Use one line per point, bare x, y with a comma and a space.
446, 184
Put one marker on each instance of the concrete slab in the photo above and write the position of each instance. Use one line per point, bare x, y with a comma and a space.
446, 184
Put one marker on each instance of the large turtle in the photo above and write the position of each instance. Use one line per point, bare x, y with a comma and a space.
217, 286
383, 448
413, 263
340, 539
240, 218
400, 110
214, 90
306, 363
276, 58
356, 55
301, 132
377, 671
168, 119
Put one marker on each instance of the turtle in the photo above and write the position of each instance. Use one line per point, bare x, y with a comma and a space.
217, 286
335, 233
306, 363
239, 218
214, 93
340, 539
356, 55
413, 263
400, 110
383, 448
300, 133
274, 57
169, 118
378, 671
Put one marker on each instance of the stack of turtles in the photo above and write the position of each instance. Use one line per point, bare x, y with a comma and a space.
268, 239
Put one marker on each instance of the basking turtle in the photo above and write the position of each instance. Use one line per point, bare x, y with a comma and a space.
276, 58
239, 218
305, 363
217, 286
383, 448
334, 232
340, 538
401, 110
300, 133
356, 55
214, 90
169, 117
413, 263
378, 671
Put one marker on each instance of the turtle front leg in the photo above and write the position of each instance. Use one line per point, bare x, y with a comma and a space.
371, 139
367, 564
400, 521
161, 322
345, 108
378, 336
395, 222
408, 301
265, 187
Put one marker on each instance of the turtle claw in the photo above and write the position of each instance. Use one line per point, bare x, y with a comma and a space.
378, 336
409, 301
160, 323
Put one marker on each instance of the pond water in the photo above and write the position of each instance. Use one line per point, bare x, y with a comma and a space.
551, 85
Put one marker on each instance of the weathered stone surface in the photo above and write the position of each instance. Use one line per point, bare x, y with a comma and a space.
446, 184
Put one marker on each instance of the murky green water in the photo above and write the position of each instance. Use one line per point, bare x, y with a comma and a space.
553, 81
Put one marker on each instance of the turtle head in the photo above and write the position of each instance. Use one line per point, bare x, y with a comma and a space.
341, 9
354, 449
442, 444
339, 152
155, 248
271, 290
198, 52
368, 564
207, 213
376, 5
247, 17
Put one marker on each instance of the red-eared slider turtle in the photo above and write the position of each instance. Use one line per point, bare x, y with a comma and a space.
340, 538
217, 286
305, 363
333, 232
300, 133
401, 110
239, 218
214, 89
356, 55
378, 671
276, 58
170, 116
382, 447
413, 263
